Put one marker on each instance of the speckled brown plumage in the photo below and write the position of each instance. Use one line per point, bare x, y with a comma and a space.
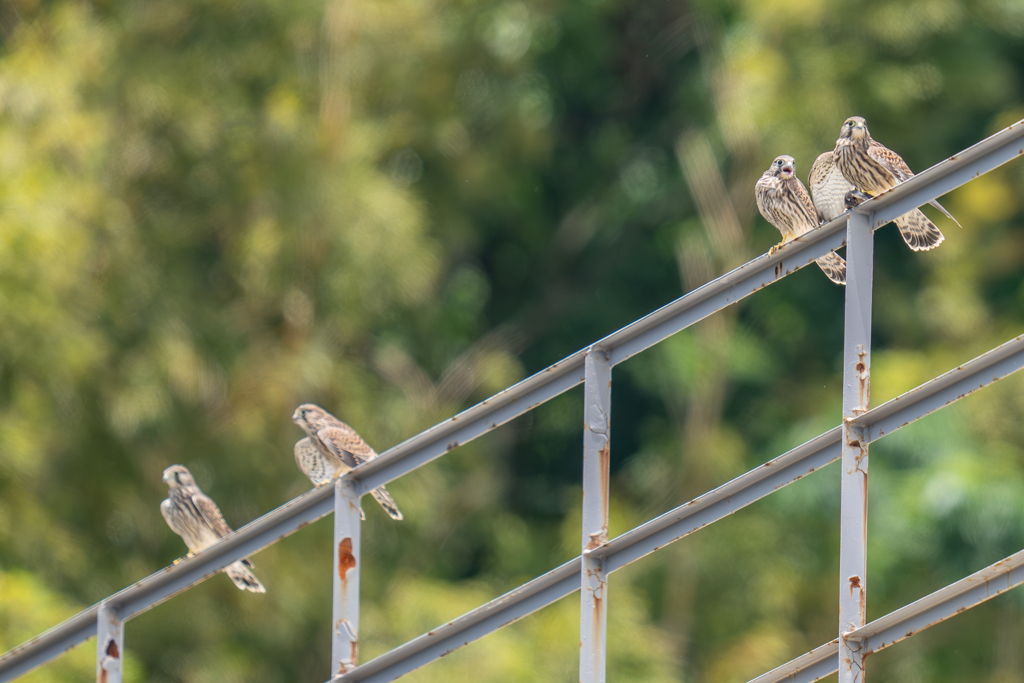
196, 518
828, 187
874, 168
332, 448
783, 201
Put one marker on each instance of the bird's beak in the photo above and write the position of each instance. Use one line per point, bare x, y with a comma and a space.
296, 416
788, 169
168, 476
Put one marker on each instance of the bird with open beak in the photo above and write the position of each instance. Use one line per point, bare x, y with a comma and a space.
783, 201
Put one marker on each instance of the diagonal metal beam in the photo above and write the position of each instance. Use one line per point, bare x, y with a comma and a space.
813, 666
944, 603
907, 621
943, 390
497, 613
669, 527
626, 342
169, 581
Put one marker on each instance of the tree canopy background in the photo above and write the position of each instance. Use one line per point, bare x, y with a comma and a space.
212, 211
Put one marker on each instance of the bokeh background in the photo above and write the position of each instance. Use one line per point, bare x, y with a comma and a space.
212, 211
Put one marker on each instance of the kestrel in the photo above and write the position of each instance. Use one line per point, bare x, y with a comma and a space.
332, 448
874, 168
783, 201
196, 518
828, 188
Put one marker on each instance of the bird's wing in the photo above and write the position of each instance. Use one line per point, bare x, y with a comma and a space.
761, 189
304, 446
211, 513
800, 192
820, 169
165, 510
828, 187
347, 445
306, 452
890, 160
894, 162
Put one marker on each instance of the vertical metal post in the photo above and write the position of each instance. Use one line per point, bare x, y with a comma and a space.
597, 410
109, 645
345, 634
854, 497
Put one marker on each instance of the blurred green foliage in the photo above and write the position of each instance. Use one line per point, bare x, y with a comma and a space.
213, 211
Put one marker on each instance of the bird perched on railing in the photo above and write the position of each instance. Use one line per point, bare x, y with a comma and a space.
196, 518
829, 188
783, 201
874, 168
332, 448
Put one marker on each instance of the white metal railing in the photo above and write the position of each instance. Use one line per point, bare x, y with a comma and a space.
600, 556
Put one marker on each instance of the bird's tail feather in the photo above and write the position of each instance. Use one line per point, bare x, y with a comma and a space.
244, 578
382, 496
834, 267
940, 207
918, 232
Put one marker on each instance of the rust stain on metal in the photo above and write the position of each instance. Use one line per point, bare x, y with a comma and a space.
354, 657
112, 649
854, 444
604, 460
346, 560
854, 583
103, 675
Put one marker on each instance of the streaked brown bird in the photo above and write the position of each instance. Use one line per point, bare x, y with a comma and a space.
332, 448
196, 518
828, 187
873, 168
783, 201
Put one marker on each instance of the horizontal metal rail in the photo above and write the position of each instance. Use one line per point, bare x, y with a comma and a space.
907, 621
684, 520
520, 398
